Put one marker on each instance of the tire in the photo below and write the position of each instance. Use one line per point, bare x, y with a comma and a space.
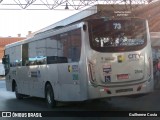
18, 96
49, 95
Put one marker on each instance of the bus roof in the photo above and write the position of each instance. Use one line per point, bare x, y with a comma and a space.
93, 12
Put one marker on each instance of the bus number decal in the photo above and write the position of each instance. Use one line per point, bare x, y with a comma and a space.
117, 26
138, 71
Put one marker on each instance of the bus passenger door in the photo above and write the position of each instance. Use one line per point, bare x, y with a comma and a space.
37, 79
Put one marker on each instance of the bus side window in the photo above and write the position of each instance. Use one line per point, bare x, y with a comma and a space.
64, 47
32, 53
24, 54
41, 52
62, 60
70, 43
51, 59
74, 53
56, 59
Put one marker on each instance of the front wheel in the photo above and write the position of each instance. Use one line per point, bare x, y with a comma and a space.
50, 96
18, 96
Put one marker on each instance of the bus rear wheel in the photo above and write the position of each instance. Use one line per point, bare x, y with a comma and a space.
50, 96
18, 96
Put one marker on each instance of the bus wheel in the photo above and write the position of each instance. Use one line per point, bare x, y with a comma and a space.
50, 96
18, 96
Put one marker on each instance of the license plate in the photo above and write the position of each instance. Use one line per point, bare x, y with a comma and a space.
124, 90
122, 76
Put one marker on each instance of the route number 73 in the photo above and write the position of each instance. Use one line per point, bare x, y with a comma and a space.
117, 26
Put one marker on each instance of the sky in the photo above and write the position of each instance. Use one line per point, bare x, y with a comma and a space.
13, 22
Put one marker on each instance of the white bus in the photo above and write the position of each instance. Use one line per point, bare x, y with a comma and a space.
93, 59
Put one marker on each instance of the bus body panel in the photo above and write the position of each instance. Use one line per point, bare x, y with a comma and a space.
38, 81
53, 78
67, 79
22, 80
120, 73
8, 83
123, 86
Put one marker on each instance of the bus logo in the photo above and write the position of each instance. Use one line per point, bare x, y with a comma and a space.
120, 58
134, 57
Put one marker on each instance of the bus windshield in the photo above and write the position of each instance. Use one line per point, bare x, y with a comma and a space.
117, 35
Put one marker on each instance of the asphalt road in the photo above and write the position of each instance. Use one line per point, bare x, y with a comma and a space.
150, 102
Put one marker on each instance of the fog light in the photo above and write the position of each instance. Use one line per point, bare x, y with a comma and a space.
107, 90
139, 88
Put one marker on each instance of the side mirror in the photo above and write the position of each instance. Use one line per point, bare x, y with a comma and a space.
6, 62
3, 60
